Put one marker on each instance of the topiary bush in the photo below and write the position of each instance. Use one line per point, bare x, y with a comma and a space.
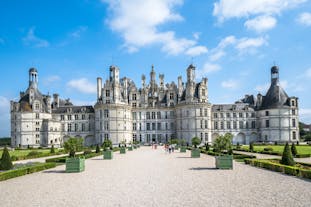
107, 144
6, 162
97, 149
294, 149
287, 157
33, 153
223, 143
73, 145
207, 147
195, 141
52, 149
251, 146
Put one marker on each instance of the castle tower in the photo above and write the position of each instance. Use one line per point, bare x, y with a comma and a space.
190, 83
33, 78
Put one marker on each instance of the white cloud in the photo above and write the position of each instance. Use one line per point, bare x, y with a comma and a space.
138, 20
216, 55
247, 43
32, 40
82, 85
305, 19
226, 9
207, 68
77, 33
5, 116
261, 23
305, 115
196, 51
196, 35
230, 84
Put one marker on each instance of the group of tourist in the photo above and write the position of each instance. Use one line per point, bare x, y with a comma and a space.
169, 148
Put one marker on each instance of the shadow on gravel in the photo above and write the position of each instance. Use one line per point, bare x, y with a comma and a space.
55, 171
203, 168
97, 159
183, 157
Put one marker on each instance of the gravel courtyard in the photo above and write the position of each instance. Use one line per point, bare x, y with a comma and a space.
147, 177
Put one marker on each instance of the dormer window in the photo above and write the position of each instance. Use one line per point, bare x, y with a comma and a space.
293, 102
107, 93
134, 97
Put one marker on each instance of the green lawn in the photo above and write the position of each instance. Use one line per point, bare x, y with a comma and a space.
19, 153
302, 149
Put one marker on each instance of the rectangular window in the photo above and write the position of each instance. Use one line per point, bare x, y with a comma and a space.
253, 115
171, 96
83, 127
247, 115
69, 127
228, 115
37, 116
148, 126
134, 96
201, 113
159, 115
153, 116
228, 125
294, 135
201, 124
62, 117
221, 115
166, 126
205, 112
153, 126
241, 125
205, 124
294, 122
215, 125
76, 117
148, 115
69, 117
240, 115
215, 115
293, 112
246, 125
76, 127
267, 113
83, 116
107, 93
159, 126
134, 104
234, 125
234, 115
267, 124
221, 125
134, 126
134, 115
106, 113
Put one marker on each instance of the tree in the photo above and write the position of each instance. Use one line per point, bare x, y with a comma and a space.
107, 144
6, 162
223, 143
251, 146
174, 141
73, 145
307, 137
287, 157
97, 149
195, 141
294, 149
206, 146
52, 149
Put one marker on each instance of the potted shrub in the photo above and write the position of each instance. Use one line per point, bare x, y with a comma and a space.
122, 147
107, 152
73, 163
223, 146
6, 162
174, 142
195, 152
130, 147
183, 147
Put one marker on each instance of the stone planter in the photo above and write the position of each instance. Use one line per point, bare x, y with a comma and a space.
108, 155
75, 164
122, 150
195, 153
224, 162
183, 149
130, 148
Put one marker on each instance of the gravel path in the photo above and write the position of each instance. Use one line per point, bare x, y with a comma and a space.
147, 177
265, 156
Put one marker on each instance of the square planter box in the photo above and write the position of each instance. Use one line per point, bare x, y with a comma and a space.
130, 148
122, 150
108, 155
75, 164
183, 149
195, 153
224, 162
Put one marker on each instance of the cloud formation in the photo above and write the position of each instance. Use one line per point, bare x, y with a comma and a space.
305, 19
138, 23
34, 41
262, 12
230, 84
82, 85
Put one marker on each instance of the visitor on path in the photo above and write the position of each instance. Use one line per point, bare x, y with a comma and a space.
169, 149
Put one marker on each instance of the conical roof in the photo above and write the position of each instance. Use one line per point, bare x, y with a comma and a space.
276, 97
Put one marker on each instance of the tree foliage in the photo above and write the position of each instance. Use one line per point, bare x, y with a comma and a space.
182, 142
294, 149
287, 157
6, 162
195, 141
107, 144
174, 141
73, 145
223, 143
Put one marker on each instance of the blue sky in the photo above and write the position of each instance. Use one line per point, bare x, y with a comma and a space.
232, 42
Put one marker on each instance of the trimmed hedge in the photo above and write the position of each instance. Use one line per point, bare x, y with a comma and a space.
25, 170
289, 170
272, 153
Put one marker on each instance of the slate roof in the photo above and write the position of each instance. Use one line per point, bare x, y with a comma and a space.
75, 109
276, 97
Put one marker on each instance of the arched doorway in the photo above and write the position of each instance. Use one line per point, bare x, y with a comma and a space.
239, 138
89, 140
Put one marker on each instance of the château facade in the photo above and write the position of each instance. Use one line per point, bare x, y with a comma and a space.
156, 112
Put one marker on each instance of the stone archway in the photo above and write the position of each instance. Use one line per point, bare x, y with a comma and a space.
89, 140
253, 137
239, 138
